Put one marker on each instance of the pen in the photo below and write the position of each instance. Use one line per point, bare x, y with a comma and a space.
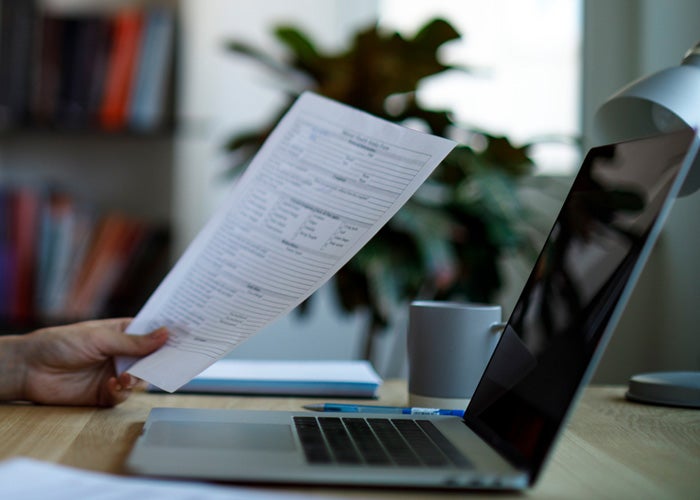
344, 408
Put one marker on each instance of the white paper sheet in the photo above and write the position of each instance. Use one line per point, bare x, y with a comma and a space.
28, 479
326, 180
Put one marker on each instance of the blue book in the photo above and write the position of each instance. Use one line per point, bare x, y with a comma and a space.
150, 85
354, 378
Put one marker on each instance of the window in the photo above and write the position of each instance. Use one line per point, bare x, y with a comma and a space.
526, 60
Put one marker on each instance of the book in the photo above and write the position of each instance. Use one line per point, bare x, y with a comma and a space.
123, 54
78, 263
6, 252
25, 205
16, 39
108, 256
150, 86
352, 378
46, 70
67, 230
97, 68
84, 49
146, 267
84, 71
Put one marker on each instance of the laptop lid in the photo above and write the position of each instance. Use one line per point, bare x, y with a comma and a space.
575, 294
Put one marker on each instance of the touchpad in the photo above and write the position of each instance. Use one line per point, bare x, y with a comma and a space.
249, 436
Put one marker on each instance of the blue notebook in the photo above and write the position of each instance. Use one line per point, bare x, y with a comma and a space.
353, 378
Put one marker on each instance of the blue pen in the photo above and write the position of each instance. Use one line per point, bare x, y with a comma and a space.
343, 408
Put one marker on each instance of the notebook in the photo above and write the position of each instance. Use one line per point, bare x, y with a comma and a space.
341, 378
547, 352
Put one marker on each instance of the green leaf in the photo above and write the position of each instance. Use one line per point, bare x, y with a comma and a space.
435, 33
502, 153
300, 45
266, 60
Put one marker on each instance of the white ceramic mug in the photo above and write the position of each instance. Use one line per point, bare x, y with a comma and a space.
449, 345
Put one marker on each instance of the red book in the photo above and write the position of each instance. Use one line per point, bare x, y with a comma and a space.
25, 231
109, 254
121, 65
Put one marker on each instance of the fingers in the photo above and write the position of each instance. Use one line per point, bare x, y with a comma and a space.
118, 389
119, 344
125, 382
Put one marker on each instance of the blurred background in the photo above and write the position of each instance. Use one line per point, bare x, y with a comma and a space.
146, 163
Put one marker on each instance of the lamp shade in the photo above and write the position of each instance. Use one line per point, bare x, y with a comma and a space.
662, 102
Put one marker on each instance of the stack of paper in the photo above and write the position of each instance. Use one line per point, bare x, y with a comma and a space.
298, 378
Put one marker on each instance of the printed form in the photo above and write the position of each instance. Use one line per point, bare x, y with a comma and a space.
325, 181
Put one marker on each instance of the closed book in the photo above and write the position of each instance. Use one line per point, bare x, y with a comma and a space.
83, 51
147, 266
123, 54
26, 205
345, 378
46, 71
16, 39
7, 259
68, 229
151, 83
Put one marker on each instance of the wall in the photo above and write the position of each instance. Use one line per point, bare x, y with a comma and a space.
624, 40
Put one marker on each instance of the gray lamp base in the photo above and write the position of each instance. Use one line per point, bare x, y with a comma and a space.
666, 388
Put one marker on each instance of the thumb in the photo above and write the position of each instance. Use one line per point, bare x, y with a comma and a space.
138, 345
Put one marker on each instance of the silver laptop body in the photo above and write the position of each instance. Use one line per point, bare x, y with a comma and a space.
548, 351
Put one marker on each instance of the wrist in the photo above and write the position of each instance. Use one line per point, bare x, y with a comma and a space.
13, 367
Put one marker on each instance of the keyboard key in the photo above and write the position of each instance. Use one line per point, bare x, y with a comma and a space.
422, 445
395, 445
447, 448
376, 441
366, 442
339, 441
312, 440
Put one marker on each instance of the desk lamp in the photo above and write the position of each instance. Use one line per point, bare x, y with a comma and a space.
662, 102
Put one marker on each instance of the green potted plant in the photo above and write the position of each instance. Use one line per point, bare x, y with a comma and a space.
447, 242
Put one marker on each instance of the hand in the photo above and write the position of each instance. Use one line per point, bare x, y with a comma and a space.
74, 364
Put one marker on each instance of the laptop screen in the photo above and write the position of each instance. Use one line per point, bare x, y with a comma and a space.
584, 272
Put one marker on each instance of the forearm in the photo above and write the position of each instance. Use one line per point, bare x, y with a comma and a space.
12, 367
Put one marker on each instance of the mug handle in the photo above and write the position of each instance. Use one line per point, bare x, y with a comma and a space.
498, 327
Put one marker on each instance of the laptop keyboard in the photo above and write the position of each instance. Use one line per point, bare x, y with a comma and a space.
376, 441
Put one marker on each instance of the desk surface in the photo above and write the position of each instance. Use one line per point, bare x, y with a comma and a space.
612, 448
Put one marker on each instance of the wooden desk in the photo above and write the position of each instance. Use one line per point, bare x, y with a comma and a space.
612, 448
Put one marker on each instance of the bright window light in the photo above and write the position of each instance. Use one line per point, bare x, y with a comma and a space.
526, 60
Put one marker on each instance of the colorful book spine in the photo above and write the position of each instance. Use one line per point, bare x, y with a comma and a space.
106, 72
127, 28
26, 203
150, 86
62, 261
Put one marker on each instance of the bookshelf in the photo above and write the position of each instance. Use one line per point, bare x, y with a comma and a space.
86, 158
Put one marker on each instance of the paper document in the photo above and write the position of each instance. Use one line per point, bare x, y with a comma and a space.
349, 378
29, 479
325, 181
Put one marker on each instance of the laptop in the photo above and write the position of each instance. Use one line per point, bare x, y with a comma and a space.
547, 352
